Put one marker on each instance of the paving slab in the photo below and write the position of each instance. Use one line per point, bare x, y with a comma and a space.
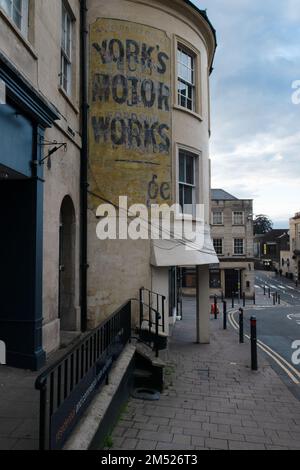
213, 400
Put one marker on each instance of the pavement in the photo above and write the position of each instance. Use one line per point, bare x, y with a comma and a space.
214, 401
19, 410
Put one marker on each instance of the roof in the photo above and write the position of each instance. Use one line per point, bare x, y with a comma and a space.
205, 17
221, 195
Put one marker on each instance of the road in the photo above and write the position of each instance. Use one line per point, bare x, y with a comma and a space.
278, 327
288, 291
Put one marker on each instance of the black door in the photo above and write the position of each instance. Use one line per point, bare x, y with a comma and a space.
232, 282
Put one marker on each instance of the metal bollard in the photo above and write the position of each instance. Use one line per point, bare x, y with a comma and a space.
264, 290
269, 292
253, 324
224, 315
276, 296
232, 299
216, 306
274, 299
254, 298
244, 299
241, 324
279, 299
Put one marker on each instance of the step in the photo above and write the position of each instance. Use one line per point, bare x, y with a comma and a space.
148, 354
142, 374
145, 327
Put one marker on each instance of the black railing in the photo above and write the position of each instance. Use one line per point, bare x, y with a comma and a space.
152, 312
68, 386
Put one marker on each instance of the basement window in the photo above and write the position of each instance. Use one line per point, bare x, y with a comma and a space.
17, 10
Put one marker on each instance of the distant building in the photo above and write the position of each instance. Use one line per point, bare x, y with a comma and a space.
232, 233
295, 245
267, 248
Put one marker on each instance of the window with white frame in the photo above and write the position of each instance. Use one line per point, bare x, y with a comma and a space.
66, 50
218, 218
238, 218
238, 246
17, 10
186, 78
218, 245
187, 182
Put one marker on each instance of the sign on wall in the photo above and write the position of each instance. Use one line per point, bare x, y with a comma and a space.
130, 112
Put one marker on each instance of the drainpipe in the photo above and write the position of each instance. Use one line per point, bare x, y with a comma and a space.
84, 165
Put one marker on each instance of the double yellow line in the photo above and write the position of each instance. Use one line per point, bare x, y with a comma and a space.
292, 373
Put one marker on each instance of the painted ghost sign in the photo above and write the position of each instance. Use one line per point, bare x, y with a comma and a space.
130, 112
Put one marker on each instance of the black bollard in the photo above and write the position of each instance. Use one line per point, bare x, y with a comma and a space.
269, 292
241, 324
232, 299
224, 315
216, 306
274, 299
253, 325
254, 298
244, 299
264, 290
279, 299
276, 296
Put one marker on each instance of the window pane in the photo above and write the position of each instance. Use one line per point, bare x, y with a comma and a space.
188, 195
189, 170
181, 169
189, 104
217, 218
238, 246
182, 101
7, 6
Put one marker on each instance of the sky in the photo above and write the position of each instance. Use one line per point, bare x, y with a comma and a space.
255, 143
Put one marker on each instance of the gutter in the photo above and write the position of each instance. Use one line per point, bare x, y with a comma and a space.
83, 166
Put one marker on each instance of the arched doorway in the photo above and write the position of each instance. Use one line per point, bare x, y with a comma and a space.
67, 235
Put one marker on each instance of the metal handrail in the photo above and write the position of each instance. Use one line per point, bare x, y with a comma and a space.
159, 312
78, 366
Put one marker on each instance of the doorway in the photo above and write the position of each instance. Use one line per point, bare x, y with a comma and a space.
67, 239
233, 283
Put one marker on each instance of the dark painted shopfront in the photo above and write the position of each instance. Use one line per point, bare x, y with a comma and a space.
23, 120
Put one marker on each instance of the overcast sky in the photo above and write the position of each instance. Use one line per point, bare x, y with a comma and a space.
255, 145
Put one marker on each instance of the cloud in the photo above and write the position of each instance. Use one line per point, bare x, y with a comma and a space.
255, 143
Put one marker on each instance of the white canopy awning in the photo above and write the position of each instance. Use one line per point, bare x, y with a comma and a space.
183, 253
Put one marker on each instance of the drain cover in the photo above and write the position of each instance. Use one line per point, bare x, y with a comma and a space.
146, 394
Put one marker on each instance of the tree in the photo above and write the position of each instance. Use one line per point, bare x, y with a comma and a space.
262, 224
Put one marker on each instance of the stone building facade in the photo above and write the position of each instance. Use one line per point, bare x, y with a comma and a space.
149, 67
40, 197
232, 233
294, 267
88, 113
